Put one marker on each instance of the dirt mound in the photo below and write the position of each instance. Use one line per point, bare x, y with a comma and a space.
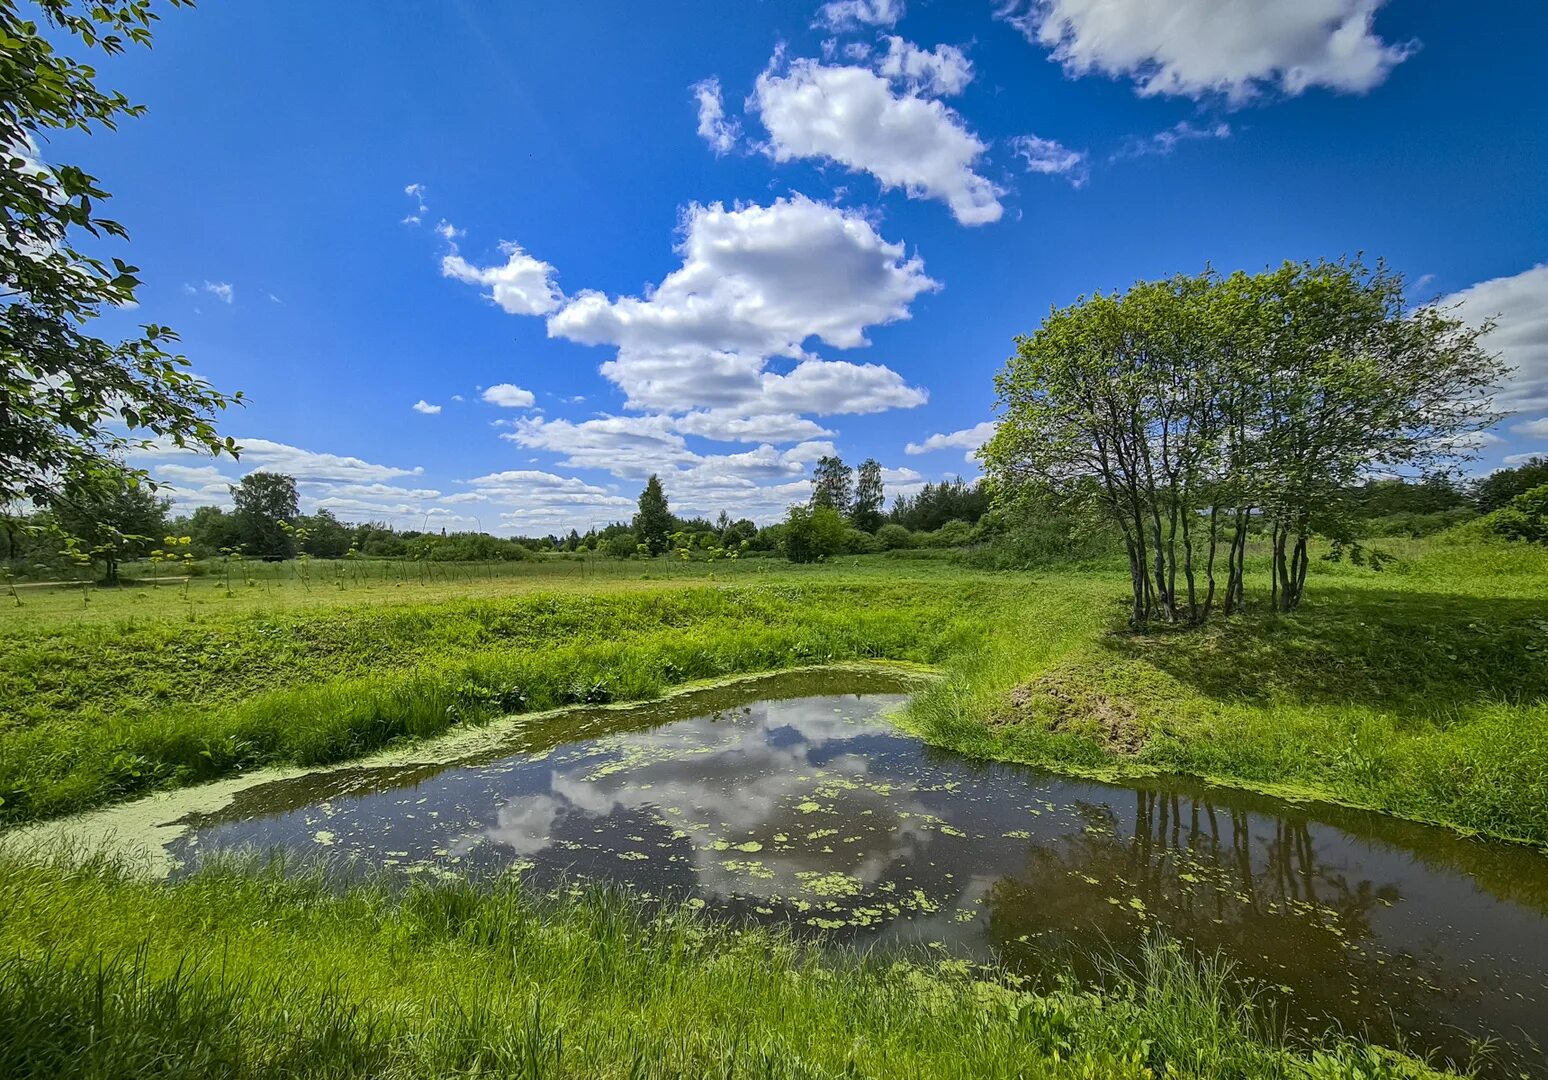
1072, 705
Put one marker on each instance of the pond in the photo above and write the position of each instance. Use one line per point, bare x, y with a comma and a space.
793, 799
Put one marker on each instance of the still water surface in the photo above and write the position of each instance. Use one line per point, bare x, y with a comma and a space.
793, 799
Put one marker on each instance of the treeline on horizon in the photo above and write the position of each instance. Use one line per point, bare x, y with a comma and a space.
265, 523
107, 524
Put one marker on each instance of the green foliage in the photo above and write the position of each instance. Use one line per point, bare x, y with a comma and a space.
1189, 409
833, 485
1525, 517
113, 516
213, 531
814, 533
936, 504
951, 534
71, 403
654, 520
1496, 490
248, 972
870, 496
893, 537
1385, 498
326, 536
1029, 534
465, 547
622, 545
266, 506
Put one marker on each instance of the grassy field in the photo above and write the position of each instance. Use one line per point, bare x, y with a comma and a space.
1419, 690
247, 972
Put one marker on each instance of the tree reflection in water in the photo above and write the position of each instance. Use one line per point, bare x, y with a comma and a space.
1223, 879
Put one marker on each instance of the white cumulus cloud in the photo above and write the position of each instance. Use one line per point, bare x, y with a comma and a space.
757, 282
1236, 48
841, 15
721, 133
1519, 306
969, 439
509, 396
854, 116
942, 71
522, 286
423, 406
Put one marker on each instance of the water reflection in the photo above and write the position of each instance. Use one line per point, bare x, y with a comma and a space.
794, 801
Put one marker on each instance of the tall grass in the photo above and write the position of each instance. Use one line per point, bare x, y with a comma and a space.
168, 712
244, 971
1421, 690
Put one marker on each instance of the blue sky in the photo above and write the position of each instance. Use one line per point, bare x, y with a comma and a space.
717, 240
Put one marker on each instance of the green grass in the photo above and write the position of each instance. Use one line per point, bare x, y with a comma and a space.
97, 712
1421, 690
246, 972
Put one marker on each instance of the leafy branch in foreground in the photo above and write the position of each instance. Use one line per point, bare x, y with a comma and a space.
72, 403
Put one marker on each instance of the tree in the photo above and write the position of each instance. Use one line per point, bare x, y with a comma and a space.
936, 504
113, 517
833, 484
866, 514
1184, 411
326, 536
1501, 486
266, 504
1354, 381
620, 545
654, 520
813, 533
212, 530
737, 532
1525, 517
71, 403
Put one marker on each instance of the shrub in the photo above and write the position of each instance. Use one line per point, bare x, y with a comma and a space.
893, 537
812, 534
951, 534
622, 546
1524, 518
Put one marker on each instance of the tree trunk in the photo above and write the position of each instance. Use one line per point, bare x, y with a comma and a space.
1209, 566
1193, 596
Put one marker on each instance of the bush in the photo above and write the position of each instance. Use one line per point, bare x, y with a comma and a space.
1413, 525
951, 534
1525, 518
1041, 540
859, 542
894, 537
621, 546
813, 534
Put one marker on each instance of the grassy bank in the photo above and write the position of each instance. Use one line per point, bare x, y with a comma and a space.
249, 973
1421, 690
96, 712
